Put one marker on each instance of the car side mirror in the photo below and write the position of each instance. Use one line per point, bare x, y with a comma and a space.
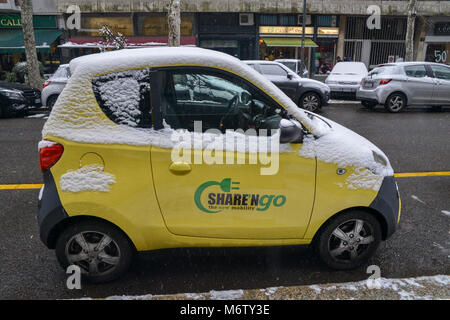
290, 76
290, 132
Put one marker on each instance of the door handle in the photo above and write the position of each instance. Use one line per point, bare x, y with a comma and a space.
180, 167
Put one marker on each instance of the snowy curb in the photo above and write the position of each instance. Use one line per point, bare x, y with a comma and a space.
421, 288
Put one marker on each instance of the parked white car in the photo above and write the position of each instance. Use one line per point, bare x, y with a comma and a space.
55, 85
345, 78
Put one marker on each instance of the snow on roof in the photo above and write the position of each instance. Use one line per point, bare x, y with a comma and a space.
76, 100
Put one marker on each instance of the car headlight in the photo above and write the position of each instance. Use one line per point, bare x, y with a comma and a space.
12, 94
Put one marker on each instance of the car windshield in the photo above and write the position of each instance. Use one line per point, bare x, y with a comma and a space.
62, 72
382, 70
289, 64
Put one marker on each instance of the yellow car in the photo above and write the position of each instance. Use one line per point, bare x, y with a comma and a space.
185, 147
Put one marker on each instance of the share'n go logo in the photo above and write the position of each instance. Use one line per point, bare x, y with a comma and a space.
215, 196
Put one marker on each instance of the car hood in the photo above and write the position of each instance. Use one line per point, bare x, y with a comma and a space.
14, 86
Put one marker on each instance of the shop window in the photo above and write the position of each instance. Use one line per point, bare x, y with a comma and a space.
438, 52
268, 20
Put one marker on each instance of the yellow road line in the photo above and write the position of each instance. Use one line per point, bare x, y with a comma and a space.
421, 174
19, 186
397, 175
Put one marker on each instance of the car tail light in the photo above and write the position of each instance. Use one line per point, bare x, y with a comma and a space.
361, 83
385, 81
46, 83
49, 155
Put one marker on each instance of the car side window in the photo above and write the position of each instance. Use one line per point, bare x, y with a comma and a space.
272, 69
441, 72
416, 71
219, 100
124, 97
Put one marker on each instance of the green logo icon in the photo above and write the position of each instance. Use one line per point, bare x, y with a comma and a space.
228, 199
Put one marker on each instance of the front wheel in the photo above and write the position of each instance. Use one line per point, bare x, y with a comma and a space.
349, 240
101, 251
396, 102
310, 101
51, 101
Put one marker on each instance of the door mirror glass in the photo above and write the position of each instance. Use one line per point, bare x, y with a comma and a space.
290, 76
290, 132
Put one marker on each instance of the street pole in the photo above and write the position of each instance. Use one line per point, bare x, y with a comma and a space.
303, 35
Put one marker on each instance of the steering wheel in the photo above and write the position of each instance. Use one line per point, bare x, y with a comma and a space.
232, 108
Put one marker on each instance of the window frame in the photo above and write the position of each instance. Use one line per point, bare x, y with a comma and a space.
432, 71
270, 74
157, 85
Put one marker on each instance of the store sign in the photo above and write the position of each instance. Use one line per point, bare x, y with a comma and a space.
15, 21
285, 30
158, 26
124, 25
326, 31
442, 29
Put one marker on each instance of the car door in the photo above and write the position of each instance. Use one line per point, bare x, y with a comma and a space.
441, 74
279, 76
217, 184
419, 85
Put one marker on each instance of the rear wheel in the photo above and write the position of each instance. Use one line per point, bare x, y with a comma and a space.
396, 102
51, 101
101, 251
349, 240
310, 101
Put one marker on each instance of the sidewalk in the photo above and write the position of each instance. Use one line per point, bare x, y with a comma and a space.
429, 288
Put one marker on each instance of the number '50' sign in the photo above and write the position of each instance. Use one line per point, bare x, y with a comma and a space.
440, 56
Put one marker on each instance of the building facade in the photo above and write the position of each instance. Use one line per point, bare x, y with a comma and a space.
253, 29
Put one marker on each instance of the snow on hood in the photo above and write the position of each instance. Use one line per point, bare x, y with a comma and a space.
348, 149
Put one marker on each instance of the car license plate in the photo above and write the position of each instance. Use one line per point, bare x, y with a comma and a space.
347, 90
37, 101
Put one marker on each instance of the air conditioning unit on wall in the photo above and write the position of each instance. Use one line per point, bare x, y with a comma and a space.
246, 19
300, 19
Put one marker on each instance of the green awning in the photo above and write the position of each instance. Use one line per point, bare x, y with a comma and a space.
11, 40
288, 42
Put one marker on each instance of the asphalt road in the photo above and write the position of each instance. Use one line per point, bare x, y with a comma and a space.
415, 141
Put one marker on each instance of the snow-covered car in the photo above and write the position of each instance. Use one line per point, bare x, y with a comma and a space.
157, 148
55, 85
309, 94
345, 78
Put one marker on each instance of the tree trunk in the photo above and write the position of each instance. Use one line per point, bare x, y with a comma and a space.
34, 75
174, 21
409, 54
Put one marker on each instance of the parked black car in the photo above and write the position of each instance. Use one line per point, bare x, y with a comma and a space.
307, 93
16, 98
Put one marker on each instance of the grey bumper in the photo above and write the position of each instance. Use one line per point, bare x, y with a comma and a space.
50, 211
387, 203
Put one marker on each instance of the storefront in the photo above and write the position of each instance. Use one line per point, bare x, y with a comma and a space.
12, 48
437, 41
141, 30
231, 33
326, 37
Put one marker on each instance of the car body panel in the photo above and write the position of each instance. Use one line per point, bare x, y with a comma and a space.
56, 85
148, 202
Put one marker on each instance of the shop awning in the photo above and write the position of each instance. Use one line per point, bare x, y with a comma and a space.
288, 42
132, 42
11, 40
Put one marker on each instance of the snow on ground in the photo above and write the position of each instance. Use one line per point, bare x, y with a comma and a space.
344, 102
419, 288
38, 115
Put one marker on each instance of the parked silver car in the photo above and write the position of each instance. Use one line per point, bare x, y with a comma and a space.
397, 85
55, 85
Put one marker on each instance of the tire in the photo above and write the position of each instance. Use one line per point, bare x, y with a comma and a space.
102, 251
396, 102
339, 244
310, 101
369, 104
51, 101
